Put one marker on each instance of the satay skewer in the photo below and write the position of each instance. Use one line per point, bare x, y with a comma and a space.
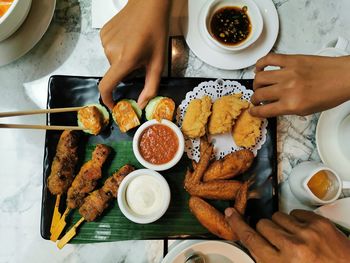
82, 185
91, 209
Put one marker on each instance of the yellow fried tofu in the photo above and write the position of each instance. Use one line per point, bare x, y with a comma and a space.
225, 111
246, 130
196, 117
125, 115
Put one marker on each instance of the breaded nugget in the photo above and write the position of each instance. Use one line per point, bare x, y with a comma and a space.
125, 116
225, 111
230, 166
246, 130
211, 218
196, 117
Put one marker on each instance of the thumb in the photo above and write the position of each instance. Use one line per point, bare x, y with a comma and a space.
110, 80
150, 89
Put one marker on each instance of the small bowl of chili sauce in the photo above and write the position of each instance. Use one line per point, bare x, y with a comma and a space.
158, 145
233, 24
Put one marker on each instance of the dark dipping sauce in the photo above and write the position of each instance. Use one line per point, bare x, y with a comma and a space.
230, 25
158, 144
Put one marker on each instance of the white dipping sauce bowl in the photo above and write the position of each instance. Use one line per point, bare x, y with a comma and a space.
163, 196
178, 154
254, 15
14, 18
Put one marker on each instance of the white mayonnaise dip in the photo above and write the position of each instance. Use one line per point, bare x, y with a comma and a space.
144, 195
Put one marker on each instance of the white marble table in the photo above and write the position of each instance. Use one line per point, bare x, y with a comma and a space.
71, 47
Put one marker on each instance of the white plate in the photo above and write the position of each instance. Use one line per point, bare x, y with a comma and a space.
215, 251
30, 32
213, 56
327, 140
338, 212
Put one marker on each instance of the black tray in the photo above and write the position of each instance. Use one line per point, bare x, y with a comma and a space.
68, 91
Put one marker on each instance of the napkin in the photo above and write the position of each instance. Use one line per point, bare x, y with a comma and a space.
103, 10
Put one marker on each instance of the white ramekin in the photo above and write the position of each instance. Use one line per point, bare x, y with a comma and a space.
123, 204
254, 16
178, 155
14, 18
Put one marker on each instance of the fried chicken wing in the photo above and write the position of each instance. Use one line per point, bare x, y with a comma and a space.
211, 218
225, 111
196, 117
242, 198
64, 162
246, 130
230, 166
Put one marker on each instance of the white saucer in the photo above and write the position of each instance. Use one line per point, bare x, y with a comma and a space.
214, 251
327, 140
30, 32
229, 60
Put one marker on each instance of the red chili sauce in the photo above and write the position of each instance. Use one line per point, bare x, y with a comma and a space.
158, 144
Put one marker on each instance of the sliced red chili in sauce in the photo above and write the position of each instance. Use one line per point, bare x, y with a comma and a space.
158, 144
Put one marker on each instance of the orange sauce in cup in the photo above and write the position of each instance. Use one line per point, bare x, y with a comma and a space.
4, 6
320, 184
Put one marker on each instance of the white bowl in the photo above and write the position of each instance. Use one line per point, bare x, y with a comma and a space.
163, 192
254, 16
14, 17
178, 154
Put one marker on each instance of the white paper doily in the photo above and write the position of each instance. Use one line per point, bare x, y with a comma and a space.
223, 143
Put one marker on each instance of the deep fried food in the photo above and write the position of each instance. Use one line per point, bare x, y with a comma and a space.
242, 198
87, 178
196, 117
215, 190
64, 162
225, 111
160, 108
230, 166
126, 115
211, 218
246, 130
98, 200
93, 118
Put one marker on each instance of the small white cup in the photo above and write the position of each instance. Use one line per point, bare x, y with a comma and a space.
301, 175
335, 48
254, 16
344, 136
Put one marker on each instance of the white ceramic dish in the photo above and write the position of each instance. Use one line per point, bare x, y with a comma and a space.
253, 13
178, 155
126, 208
214, 251
30, 32
214, 56
14, 17
331, 146
338, 212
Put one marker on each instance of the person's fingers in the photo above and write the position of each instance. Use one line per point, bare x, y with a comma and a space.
305, 216
273, 233
270, 59
272, 109
153, 75
267, 94
287, 222
267, 78
255, 243
112, 77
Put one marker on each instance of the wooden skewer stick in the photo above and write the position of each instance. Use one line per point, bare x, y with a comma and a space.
32, 112
56, 214
60, 226
70, 234
40, 127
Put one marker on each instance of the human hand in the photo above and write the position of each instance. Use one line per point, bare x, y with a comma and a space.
301, 237
134, 38
303, 84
